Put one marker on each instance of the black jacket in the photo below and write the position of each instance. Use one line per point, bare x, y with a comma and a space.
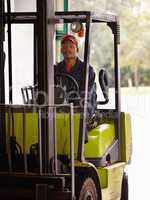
78, 73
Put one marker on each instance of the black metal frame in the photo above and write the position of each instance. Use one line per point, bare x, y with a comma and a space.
9, 52
83, 129
2, 55
2, 79
42, 73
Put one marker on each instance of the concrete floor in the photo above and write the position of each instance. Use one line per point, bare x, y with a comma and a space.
139, 107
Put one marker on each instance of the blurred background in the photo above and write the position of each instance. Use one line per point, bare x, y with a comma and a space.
134, 16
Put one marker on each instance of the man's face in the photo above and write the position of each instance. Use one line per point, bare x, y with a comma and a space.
69, 50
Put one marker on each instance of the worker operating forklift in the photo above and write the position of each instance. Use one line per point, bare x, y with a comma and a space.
30, 167
70, 75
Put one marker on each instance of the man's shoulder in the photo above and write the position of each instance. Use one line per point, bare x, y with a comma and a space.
82, 64
59, 66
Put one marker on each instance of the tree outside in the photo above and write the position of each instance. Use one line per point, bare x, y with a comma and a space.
135, 71
135, 30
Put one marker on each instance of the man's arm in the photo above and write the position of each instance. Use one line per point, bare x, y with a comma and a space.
91, 78
92, 97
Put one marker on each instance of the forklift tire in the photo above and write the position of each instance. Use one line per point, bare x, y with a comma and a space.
124, 190
88, 190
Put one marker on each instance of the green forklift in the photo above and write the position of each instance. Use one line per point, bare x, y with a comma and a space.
43, 153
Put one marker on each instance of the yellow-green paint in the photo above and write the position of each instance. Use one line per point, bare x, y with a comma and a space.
99, 139
103, 177
31, 128
111, 180
63, 133
126, 137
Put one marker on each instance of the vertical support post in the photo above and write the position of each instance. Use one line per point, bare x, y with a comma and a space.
40, 140
9, 53
117, 86
8, 141
50, 75
55, 142
24, 142
42, 76
83, 129
2, 57
66, 8
2, 79
45, 10
72, 150
35, 53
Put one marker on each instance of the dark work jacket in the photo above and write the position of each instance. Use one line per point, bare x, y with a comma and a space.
78, 72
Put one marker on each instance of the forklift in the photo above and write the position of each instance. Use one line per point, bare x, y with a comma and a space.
43, 153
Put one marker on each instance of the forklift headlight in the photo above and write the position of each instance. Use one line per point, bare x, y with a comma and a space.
76, 27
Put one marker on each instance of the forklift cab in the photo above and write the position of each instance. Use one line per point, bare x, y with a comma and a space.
80, 106
43, 148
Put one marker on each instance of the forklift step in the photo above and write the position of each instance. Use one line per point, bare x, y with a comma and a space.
58, 182
30, 194
59, 195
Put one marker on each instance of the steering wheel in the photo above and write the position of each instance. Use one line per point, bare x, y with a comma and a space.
66, 88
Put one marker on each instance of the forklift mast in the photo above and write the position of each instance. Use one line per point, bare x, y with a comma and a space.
43, 59
44, 36
45, 42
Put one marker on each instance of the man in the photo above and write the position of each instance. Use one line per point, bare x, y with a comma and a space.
74, 67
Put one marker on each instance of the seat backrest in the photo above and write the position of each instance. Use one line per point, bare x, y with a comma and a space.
29, 94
